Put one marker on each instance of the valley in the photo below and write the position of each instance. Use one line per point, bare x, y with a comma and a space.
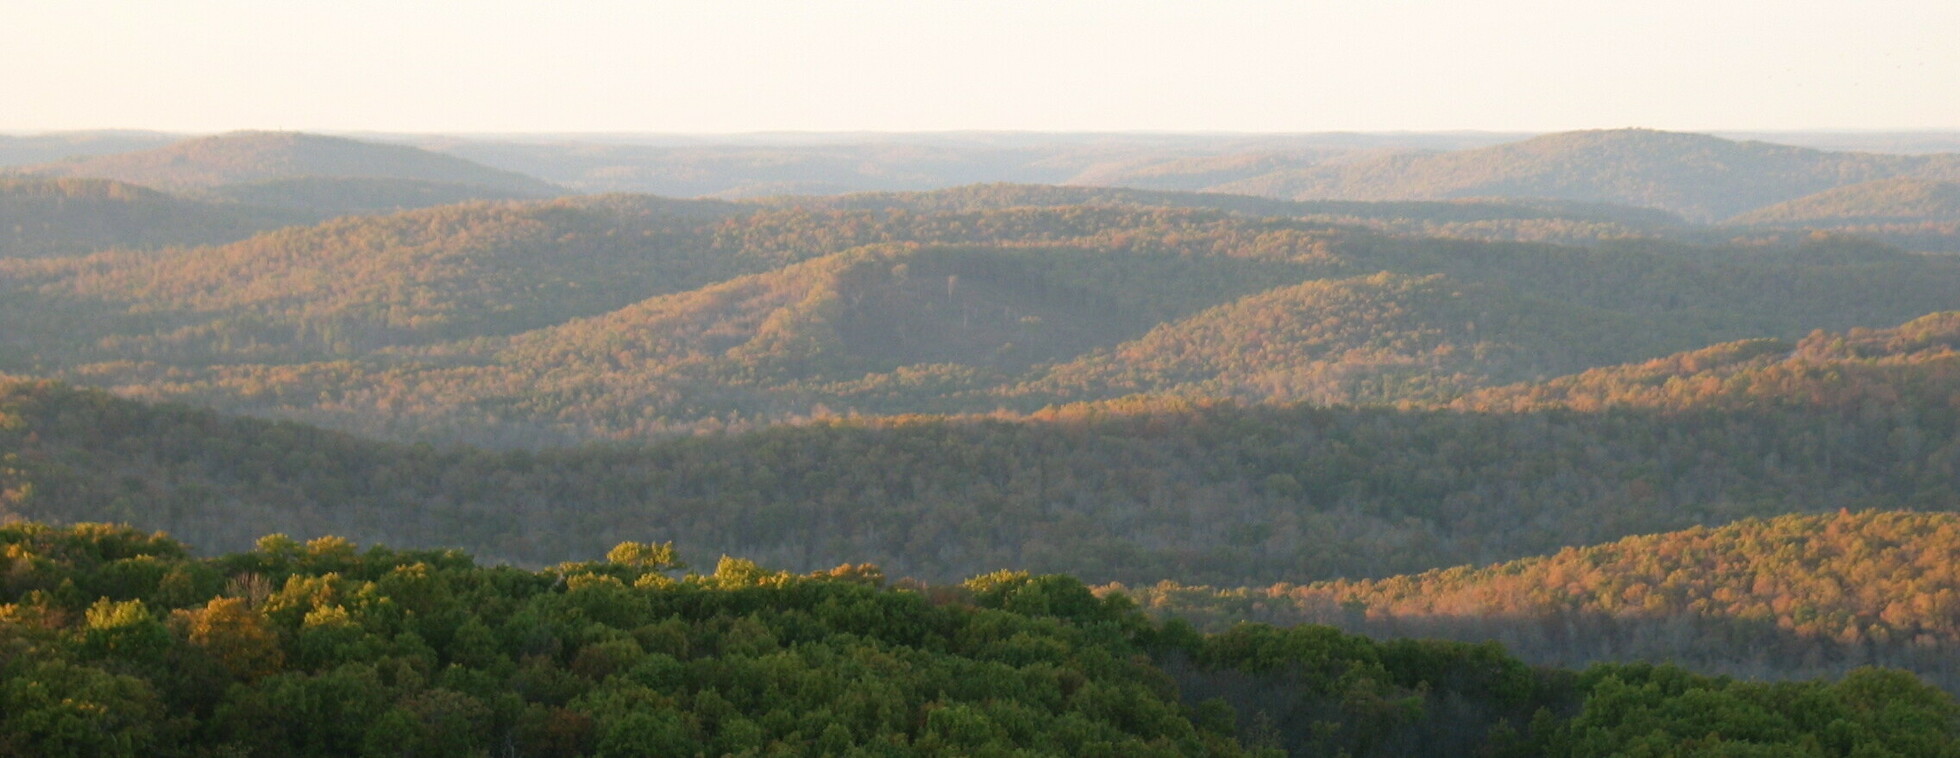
1609, 398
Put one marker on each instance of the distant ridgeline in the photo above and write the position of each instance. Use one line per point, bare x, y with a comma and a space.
226, 187
117, 643
1630, 181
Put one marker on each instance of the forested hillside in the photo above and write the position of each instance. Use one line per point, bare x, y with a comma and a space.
626, 316
22, 150
1756, 184
1377, 339
1917, 214
242, 157
1526, 392
731, 166
1897, 199
284, 175
1520, 220
51, 217
325, 197
1130, 491
1793, 596
1909, 369
119, 644
1702, 177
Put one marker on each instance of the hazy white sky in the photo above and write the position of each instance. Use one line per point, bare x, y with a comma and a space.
901, 65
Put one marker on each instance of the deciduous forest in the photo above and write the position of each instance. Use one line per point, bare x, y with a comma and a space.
1586, 444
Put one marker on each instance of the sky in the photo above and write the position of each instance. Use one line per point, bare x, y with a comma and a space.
722, 66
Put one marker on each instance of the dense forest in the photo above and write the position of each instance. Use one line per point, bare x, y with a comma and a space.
1614, 399
621, 317
1705, 178
1792, 596
118, 643
1134, 491
50, 217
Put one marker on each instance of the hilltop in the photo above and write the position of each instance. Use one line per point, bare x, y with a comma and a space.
1698, 176
622, 316
1377, 339
362, 283
205, 163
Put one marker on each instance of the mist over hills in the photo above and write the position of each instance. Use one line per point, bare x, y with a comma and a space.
22, 150
301, 177
1704, 178
241, 157
1699, 177
761, 165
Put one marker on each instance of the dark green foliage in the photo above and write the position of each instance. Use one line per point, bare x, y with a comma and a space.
435, 656
631, 663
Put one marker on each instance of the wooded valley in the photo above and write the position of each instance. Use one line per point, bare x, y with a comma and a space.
1619, 401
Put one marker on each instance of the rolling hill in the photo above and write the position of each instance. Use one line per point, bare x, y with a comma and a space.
1911, 213
731, 166
1698, 176
1736, 446
1379, 339
621, 316
1792, 596
1128, 490
24, 150
244, 158
359, 284
1913, 364
324, 197
51, 217
1894, 199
